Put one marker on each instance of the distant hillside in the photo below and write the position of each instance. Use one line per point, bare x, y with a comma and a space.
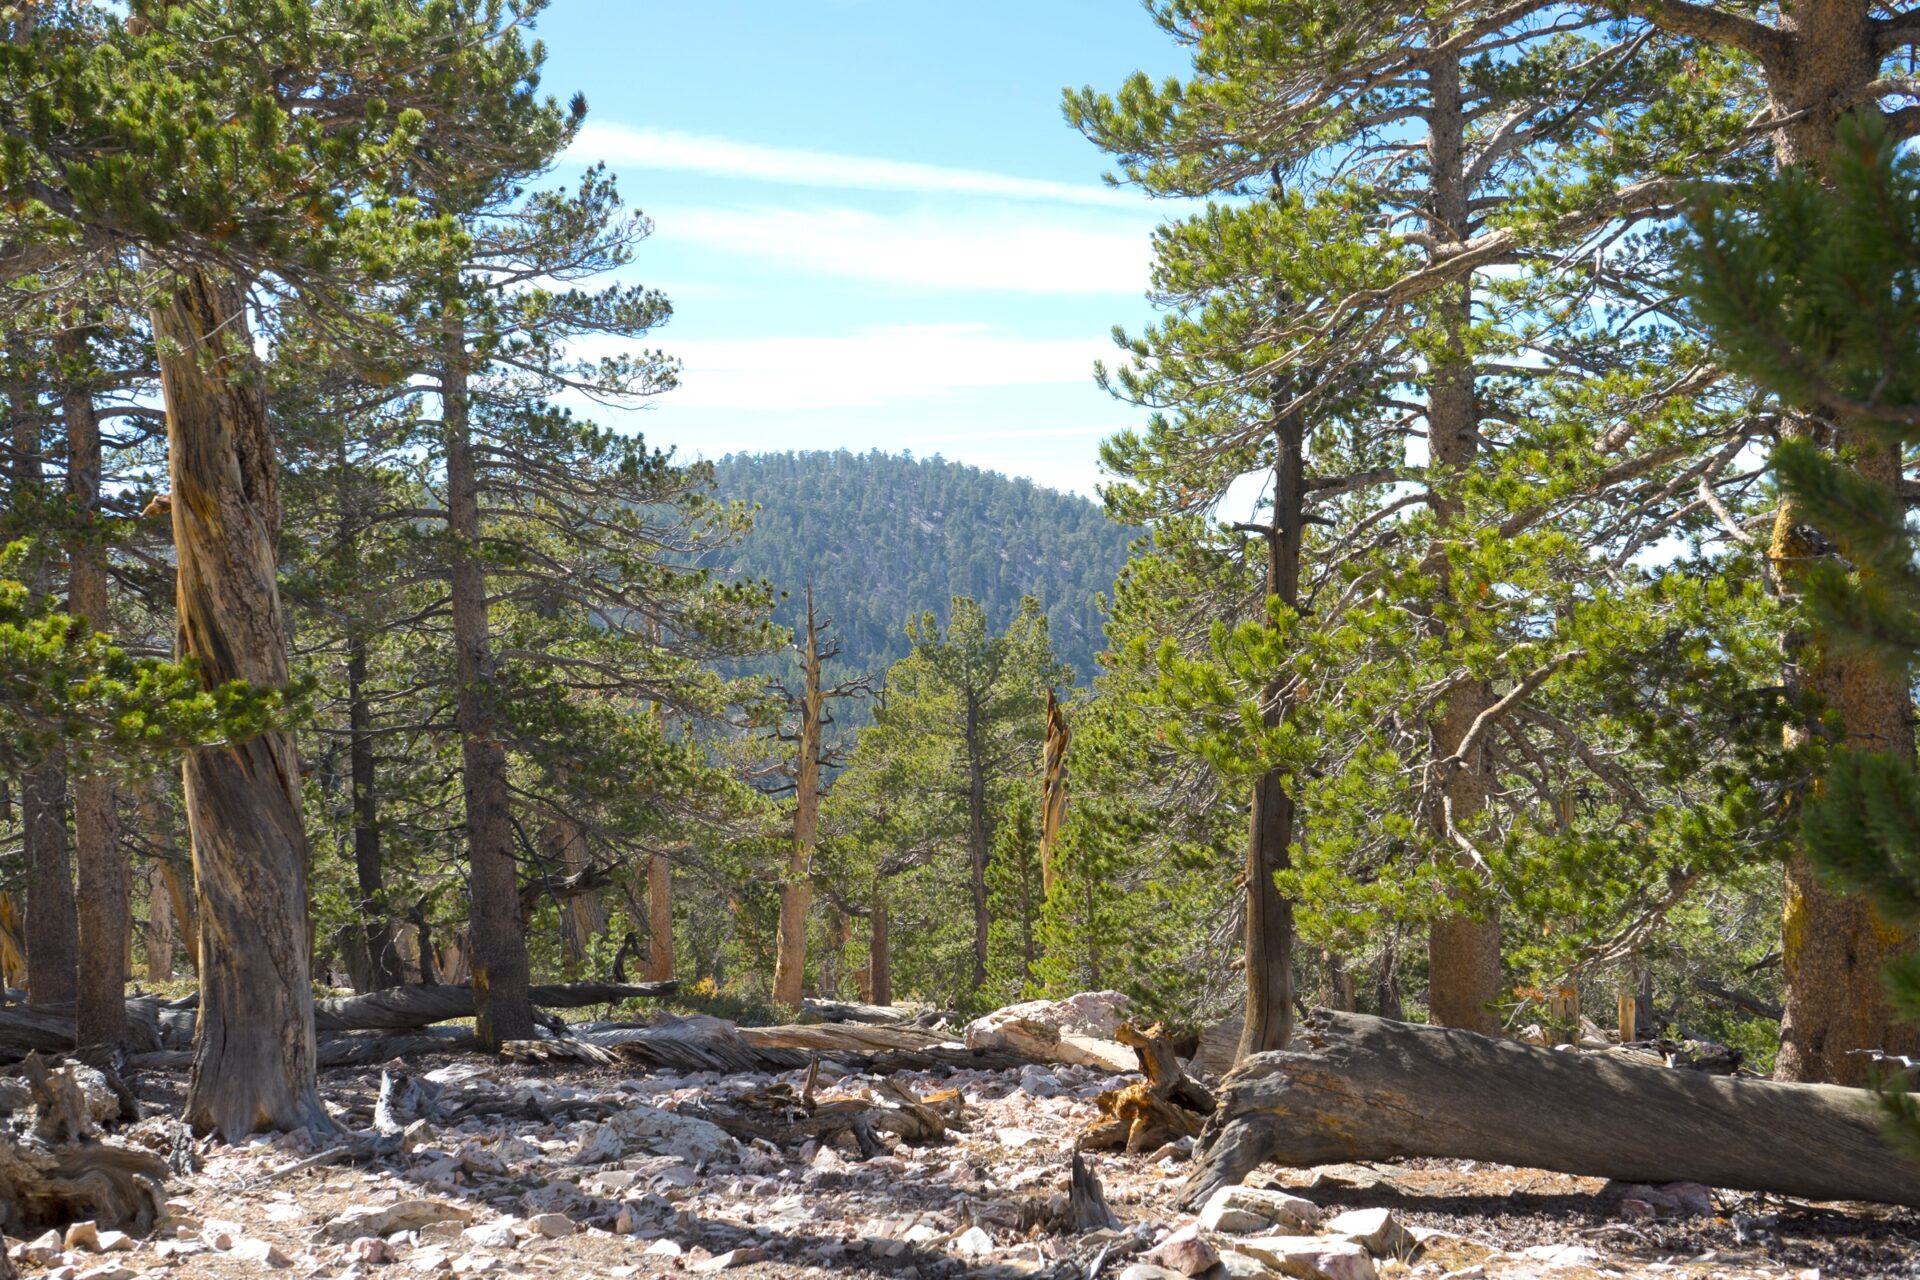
884, 537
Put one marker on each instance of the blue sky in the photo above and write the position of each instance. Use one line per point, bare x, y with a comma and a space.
875, 228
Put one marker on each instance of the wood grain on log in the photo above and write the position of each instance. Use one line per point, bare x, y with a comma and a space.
1355, 1088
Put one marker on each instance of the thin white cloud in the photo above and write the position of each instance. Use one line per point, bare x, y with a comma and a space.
881, 366
626, 146
997, 248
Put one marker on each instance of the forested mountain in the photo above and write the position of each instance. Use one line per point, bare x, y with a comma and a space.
884, 537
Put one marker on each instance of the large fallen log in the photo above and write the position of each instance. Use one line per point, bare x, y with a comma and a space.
404, 1008
1354, 1088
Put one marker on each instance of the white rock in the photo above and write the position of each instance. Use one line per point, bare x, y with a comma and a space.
476, 1264
1243, 1209
1561, 1255
663, 1248
372, 1250
43, 1250
112, 1271
491, 1235
1311, 1257
1238, 1266
84, 1236
1375, 1229
740, 1257
602, 1145
1147, 1271
668, 1133
973, 1243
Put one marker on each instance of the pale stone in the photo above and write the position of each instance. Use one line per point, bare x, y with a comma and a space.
84, 1236
263, 1251
491, 1235
1185, 1252
552, 1225
42, 1250
741, 1257
668, 1133
1147, 1271
372, 1250
1238, 1266
385, 1220
973, 1243
1376, 1229
1311, 1257
1244, 1209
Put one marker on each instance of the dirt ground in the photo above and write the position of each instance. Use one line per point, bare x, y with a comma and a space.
532, 1184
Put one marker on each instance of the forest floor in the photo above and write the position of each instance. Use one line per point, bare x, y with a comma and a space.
544, 1186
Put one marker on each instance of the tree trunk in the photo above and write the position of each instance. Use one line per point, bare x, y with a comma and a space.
1268, 1019
50, 929
377, 928
159, 927
501, 971
979, 842
1463, 948
253, 1064
582, 917
879, 950
796, 890
154, 815
1834, 947
1361, 1088
659, 918
13, 945
102, 901
1053, 791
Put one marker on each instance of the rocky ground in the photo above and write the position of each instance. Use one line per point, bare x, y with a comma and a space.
555, 1170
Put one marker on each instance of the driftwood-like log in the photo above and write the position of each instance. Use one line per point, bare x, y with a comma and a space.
1164, 1107
1355, 1088
403, 1008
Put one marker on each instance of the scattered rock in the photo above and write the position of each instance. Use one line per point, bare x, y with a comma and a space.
973, 1243
1147, 1271
668, 1133
1311, 1257
1377, 1230
371, 1250
1185, 1251
745, 1256
84, 1236
553, 1226
1245, 1209
1238, 1266
491, 1235
261, 1251
384, 1220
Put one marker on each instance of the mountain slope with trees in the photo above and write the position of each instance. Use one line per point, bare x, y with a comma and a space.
884, 537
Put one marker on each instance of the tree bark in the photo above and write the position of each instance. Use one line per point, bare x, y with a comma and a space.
1268, 1019
659, 918
159, 927
13, 944
1362, 1088
50, 928
383, 960
796, 890
1463, 947
582, 917
979, 842
879, 950
253, 1064
154, 815
102, 907
501, 971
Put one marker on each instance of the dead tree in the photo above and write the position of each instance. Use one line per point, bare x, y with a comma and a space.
812, 754
1355, 1087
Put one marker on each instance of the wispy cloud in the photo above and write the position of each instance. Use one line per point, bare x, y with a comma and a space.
882, 366
995, 248
624, 145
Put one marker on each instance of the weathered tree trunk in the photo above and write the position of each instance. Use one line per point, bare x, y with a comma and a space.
1268, 1020
253, 1065
501, 971
1463, 948
1053, 790
796, 891
1361, 1088
102, 907
154, 815
659, 918
159, 938
1834, 947
879, 950
13, 944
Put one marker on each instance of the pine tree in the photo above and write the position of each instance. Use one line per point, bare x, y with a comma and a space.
1807, 288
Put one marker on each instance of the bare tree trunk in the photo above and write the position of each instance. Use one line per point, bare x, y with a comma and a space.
253, 1061
1463, 948
13, 944
659, 919
159, 927
501, 972
1053, 791
796, 891
376, 934
154, 815
102, 902
879, 950
1268, 1020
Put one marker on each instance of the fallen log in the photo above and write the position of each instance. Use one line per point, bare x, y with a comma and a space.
1357, 1088
877, 1015
1164, 1107
404, 1008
